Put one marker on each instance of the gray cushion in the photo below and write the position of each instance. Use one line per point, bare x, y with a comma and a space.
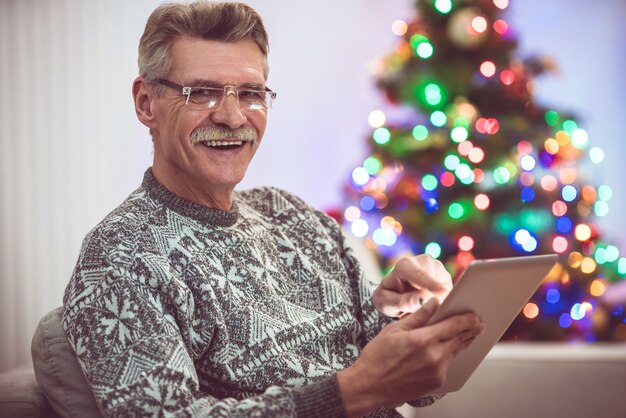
58, 372
20, 396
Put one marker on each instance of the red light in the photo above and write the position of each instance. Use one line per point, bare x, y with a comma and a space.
507, 77
500, 26
447, 179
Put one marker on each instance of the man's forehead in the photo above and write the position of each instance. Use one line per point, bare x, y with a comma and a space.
212, 61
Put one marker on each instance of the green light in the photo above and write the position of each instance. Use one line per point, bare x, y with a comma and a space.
505, 224
438, 118
612, 253
417, 39
459, 134
621, 266
600, 255
601, 208
456, 210
443, 6
425, 50
569, 126
420, 132
535, 220
381, 135
451, 162
605, 193
501, 175
552, 118
433, 94
429, 182
461, 121
372, 165
433, 249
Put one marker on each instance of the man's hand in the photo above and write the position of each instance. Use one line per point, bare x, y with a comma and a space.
406, 360
412, 281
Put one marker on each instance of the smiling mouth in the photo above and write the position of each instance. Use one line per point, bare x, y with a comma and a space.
223, 145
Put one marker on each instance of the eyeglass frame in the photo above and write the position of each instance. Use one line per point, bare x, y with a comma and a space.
186, 92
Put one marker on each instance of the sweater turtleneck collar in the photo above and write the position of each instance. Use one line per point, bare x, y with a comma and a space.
193, 210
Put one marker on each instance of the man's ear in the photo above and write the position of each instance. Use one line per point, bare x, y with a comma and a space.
143, 96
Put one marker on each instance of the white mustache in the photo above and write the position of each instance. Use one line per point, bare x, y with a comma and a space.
217, 133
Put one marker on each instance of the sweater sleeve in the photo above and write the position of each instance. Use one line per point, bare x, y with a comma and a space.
132, 330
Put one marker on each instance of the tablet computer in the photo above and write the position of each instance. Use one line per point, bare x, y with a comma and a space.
496, 290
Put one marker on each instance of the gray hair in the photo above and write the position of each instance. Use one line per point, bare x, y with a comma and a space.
228, 22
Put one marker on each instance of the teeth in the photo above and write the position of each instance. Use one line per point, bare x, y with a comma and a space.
222, 143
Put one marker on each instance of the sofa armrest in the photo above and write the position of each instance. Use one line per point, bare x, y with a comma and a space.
20, 395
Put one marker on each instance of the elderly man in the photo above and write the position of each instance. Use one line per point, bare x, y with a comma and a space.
191, 299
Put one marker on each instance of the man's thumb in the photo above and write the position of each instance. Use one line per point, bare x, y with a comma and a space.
420, 317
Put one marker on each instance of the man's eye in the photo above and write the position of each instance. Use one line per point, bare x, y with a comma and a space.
251, 95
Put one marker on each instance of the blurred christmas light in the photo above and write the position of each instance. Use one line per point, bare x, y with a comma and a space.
487, 126
451, 162
552, 118
569, 126
376, 118
551, 145
580, 138
565, 320
465, 147
601, 208
367, 203
574, 259
488, 69
567, 175
429, 182
524, 147
612, 253
501, 175
443, 6
621, 266
399, 27
456, 210
597, 288
447, 179
359, 228
381, 135
481, 201
433, 249
500, 26
564, 225
531, 310
569, 193
476, 155
528, 163
433, 94
479, 175
438, 118
479, 24
596, 155
577, 312
527, 194
507, 77
501, 4
420, 132
582, 232
352, 213
588, 265
559, 208
372, 165
383, 236
548, 183
553, 295
360, 176
424, 50
588, 193
459, 134
605, 193
466, 243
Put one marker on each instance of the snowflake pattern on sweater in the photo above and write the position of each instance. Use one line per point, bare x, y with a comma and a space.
175, 309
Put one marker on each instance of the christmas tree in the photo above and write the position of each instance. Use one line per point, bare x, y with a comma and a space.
465, 164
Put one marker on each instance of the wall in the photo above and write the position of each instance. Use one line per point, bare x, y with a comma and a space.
71, 148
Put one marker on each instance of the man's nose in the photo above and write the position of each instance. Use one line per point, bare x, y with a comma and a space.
228, 112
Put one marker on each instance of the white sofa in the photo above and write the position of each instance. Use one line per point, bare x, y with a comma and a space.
533, 379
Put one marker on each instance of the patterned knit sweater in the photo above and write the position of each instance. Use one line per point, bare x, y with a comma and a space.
175, 309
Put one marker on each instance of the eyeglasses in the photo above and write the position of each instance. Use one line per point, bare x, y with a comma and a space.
202, 98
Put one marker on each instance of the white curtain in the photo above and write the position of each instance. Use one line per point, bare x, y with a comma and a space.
71, 148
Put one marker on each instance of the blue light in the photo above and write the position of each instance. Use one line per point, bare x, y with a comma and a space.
367, 203
528, 194
569, 193
553, 296
564, 225
565, 320
431, 205
578, 312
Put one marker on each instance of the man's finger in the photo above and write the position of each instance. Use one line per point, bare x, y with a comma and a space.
455, 325
392, 303
421, 316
